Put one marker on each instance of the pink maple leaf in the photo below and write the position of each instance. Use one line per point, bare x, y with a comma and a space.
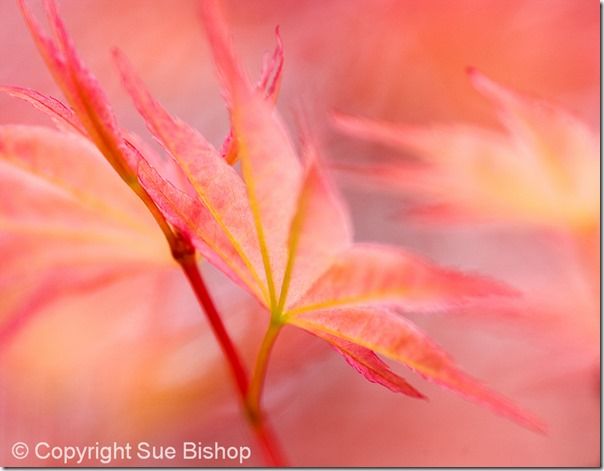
281, 231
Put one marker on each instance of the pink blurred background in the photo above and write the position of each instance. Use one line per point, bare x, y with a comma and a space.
137, 361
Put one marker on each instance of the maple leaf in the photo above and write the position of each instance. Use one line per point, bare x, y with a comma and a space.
542, 170
281, 231
89, 112
58, 184
80, 227
91, 116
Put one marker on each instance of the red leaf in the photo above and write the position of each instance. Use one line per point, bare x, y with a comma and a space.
392, 336
72, 182
303, 237
62, 116
369, 365
191, 217
266, 153
270, 80
67, 223
369, 274
215, 183
543, 170
82, 90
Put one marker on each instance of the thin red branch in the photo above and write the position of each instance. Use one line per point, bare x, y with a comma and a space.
189, 266
256, 419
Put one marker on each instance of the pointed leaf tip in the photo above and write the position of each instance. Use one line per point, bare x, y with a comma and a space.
394, 337
82, 90
62, 115
270, 166
370, 366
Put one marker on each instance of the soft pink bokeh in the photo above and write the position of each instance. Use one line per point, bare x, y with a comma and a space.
135, 360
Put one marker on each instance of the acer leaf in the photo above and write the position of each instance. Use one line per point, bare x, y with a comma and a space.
67, 223
92, 108
240, 220
394, 337
546, 132
301, 240
541, 171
